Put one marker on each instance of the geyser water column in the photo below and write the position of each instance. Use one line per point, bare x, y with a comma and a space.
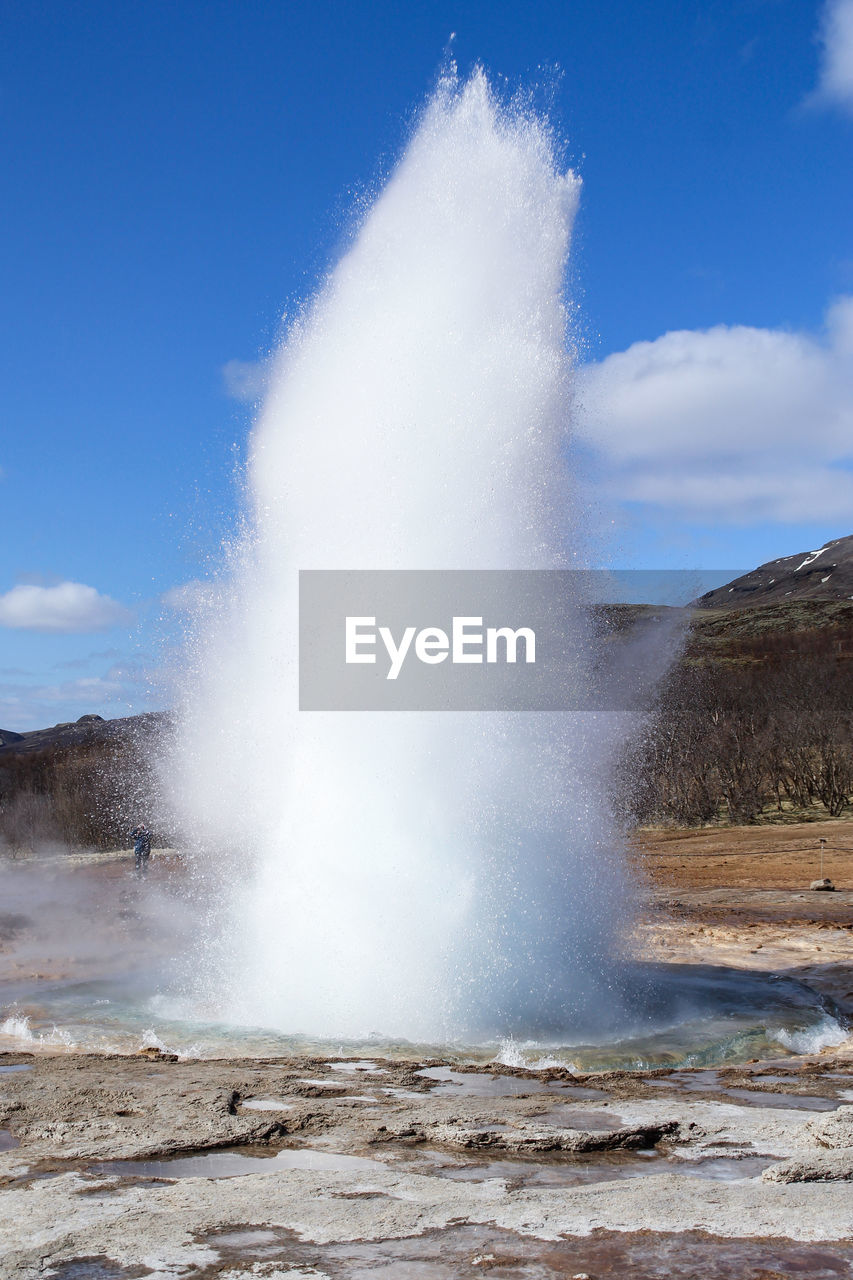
417, 875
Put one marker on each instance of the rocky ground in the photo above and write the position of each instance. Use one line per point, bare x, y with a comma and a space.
308, 1167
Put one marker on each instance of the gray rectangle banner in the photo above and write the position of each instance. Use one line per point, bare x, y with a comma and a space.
470, 640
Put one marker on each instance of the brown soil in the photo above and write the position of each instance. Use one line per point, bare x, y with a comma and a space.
741, 896
766, 857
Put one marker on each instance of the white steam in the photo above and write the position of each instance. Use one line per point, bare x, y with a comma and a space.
414, 875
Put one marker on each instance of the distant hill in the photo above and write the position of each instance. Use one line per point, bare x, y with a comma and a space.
75, 733
752, 720
825, 574
83, 783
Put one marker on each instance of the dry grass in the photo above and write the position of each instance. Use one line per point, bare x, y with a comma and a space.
752, 857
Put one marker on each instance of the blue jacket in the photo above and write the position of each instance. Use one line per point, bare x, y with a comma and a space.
141, 838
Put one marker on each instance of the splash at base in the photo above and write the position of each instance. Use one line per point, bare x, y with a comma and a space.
697, 1017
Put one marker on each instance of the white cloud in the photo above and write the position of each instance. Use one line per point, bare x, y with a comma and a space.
65, 609
245, 379
835, 83
732, 424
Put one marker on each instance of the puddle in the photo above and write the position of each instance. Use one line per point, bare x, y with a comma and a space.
720, 1169
567, 1170
480, 1085
537, 1171
322, 1084
93, 1269
568, 1117
234, 1164
238, 1239
691, 1081
266, 1104
710, 1082
7, 1141
761, 1078
16, 1066
581, 1170
787, 1101
257, 1241
457, 1250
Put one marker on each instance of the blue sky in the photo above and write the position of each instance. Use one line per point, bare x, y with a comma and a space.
178, 176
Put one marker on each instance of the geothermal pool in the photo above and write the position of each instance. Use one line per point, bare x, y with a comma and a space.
93, 960
688, 1016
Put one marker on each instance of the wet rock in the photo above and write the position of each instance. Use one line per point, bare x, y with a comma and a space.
550, 1138
61, 1111
153, 1054
316, 1089
71, 1112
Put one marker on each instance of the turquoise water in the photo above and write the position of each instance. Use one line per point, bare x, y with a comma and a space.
685, 1015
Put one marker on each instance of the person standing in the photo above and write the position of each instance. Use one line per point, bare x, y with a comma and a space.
141, 838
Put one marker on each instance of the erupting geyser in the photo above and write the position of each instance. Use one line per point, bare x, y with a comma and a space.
418, 875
